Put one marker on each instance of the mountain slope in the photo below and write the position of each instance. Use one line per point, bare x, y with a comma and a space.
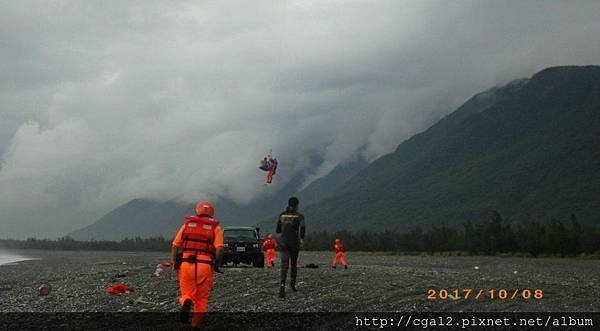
137, 218
326, 186
528, 149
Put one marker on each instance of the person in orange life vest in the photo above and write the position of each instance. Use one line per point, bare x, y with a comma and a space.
272, 169
269, 246
199, 243
338, 247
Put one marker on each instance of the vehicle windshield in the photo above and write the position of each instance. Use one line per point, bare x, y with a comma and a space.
239, 235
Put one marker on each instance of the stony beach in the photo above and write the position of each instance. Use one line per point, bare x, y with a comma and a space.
373, 283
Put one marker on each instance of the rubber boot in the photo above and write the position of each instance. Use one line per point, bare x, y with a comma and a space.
293, 285
282, 290
184, 313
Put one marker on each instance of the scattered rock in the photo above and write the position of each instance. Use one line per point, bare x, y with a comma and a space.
377, 284
44, 290
160, 268
141, 300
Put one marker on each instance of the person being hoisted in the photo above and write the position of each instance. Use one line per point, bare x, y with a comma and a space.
272, 169
338, 248
269, 246
200, 240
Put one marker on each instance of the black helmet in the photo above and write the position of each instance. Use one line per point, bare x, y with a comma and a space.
293, 202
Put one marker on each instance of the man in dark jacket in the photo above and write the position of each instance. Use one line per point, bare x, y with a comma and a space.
290, 225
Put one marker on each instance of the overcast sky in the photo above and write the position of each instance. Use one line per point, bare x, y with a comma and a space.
105, 101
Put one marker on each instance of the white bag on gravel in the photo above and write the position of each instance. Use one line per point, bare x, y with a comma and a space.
159, 269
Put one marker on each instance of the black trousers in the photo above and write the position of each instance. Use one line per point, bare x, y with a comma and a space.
289, 257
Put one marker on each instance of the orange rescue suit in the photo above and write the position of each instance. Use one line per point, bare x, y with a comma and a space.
338, 247
269, 246
199, 236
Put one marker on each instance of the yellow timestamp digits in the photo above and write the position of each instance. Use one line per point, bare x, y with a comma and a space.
489, 294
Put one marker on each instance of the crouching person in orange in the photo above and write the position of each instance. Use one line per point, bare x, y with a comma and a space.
196, 253
338, 248
269, 246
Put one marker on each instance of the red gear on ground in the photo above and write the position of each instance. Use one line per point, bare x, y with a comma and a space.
118, 289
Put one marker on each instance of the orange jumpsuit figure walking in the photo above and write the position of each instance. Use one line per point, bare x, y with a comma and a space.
200, 240
269, 246
338, 248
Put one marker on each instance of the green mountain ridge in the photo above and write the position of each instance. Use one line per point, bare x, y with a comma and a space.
528, 149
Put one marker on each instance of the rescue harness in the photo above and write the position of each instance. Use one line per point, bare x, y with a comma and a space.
198, 238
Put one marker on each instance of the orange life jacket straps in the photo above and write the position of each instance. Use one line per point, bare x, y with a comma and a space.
199, 235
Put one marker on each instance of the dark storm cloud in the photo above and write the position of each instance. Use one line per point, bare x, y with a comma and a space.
102, 102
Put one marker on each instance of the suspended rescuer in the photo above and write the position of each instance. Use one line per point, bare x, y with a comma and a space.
196, 253
272, 169
338, 248
290, 225
269, 246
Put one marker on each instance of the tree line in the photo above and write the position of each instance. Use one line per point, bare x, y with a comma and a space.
492, 236
69, 244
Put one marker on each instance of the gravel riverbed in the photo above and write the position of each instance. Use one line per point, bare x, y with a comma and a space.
373, 283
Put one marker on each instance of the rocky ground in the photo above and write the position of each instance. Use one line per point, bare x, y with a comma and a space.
373, 283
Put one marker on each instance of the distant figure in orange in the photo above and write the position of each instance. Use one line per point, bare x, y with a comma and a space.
272, 169
197, 251
269, 246
338, 248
